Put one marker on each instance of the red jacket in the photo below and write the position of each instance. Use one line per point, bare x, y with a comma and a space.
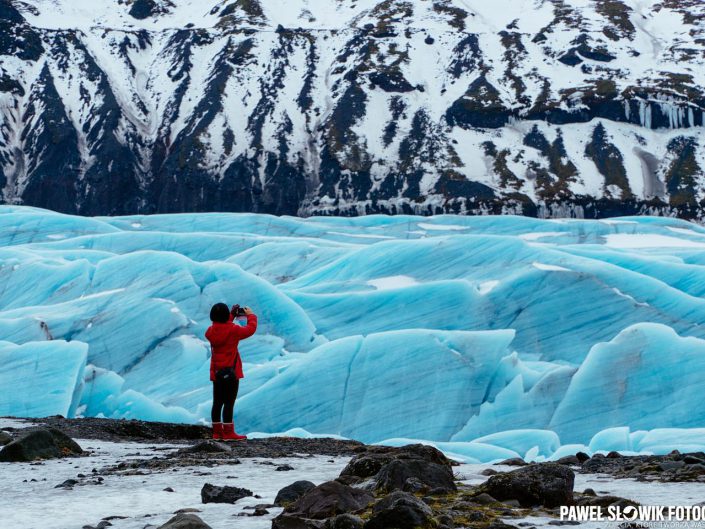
224, 338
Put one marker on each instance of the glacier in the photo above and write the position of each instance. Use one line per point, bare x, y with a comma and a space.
488, 337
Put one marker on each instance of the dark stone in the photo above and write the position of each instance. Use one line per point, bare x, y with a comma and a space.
5, 438
214, 494
568, 460
42, 443
415, 486
168, 489
614, 455
547, 484
258, 511
285, 521
429, 40
604, 501
400, 510
185, 521
671, 465
513, 462
582, 457
689, 460
293, 492
394, 475
409, 462
329, 499
284, 468
345, 521
206, 447
68, 484
484, 499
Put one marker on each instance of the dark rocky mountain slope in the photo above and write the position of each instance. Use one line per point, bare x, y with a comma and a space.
542, 107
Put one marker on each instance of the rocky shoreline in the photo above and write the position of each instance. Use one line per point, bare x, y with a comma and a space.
380, 487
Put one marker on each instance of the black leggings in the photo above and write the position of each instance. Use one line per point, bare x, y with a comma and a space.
224, 395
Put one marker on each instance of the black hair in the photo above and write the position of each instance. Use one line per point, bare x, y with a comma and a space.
220, 313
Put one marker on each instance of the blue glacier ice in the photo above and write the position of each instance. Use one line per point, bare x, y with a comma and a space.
489, 337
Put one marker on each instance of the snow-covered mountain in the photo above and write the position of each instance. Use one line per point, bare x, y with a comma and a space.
540, 107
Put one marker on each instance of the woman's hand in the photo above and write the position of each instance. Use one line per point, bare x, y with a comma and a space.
248, 311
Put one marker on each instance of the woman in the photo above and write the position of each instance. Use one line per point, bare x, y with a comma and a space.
226, 365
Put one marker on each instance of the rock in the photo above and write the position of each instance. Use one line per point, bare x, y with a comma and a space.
5, 438
394, 475
568, 460
215, 494
688, 460
604, 501
414, 485
345, 521
499, 524
513, 462
582, 456
614, 455
484, 499
185, 521
293, 492
187, 510
514, 504
329, 499
391, 468
547, 484
284, 468
671, 465
168, 489
205, 447
489, 472
285, 521
371, 459
256, 512
68, 484
589, 492
41, 443
400, 510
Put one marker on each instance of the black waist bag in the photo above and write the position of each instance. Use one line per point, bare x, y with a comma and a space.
227, 373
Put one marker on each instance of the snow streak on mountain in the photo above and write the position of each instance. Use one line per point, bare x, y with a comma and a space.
538, 107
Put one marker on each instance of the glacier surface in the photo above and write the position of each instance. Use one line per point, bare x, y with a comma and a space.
490, 337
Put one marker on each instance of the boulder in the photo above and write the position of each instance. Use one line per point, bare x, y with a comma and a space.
185, 521
413, 467
40, 443
5, 438
206, 447
329, 499
604, 501
293, 492
215, 494
569, 461
513, 462
400, 510
345, 521
547, 484
582, 457
413, 475
285, 521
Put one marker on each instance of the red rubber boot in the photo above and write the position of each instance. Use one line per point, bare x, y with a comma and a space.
217, 430
229, 433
